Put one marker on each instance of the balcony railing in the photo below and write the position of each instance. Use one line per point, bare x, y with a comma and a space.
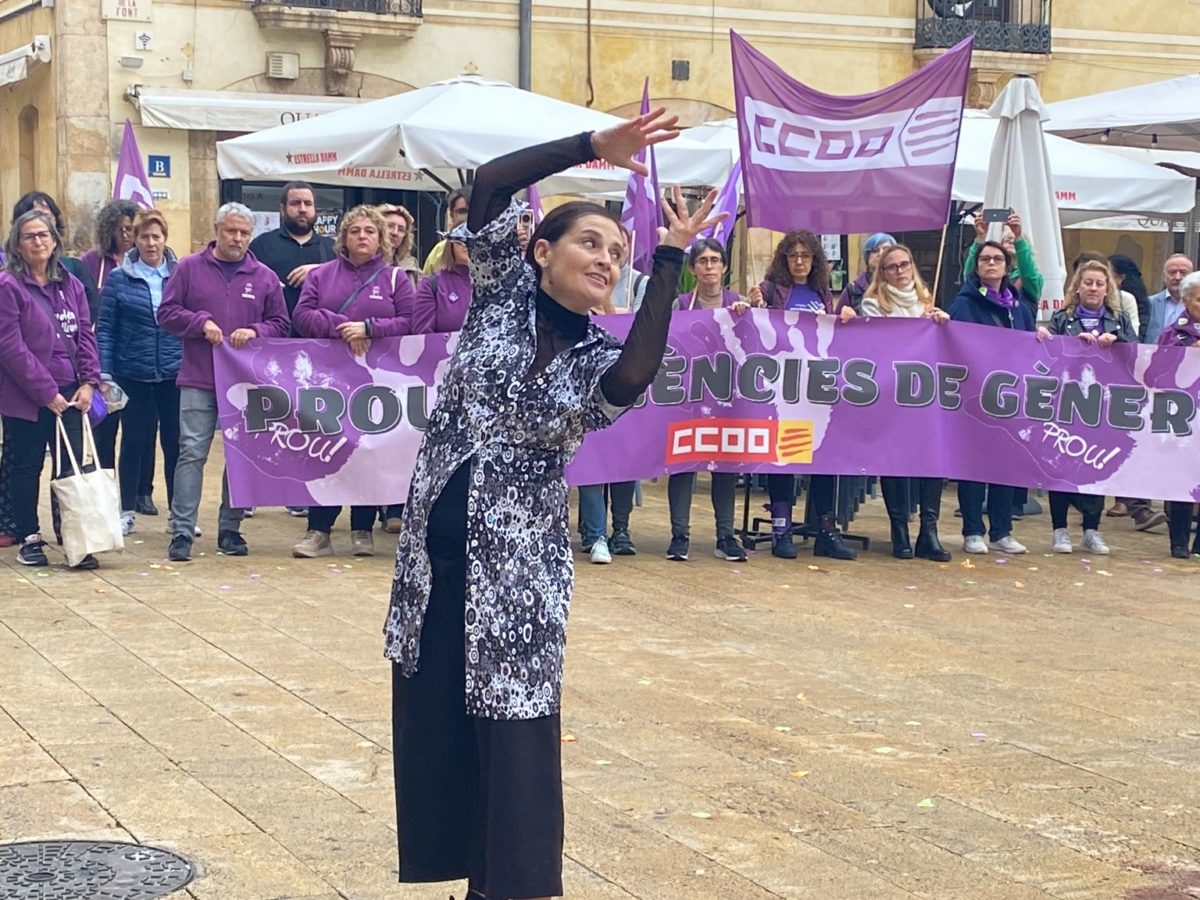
382, 7
1006, 26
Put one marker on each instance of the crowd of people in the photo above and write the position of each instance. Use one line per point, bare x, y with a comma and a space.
136, 325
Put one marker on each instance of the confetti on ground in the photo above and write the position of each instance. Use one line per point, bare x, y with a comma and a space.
139, 542
347, 566
912, 722
1019, 584
156, 565
644, 681
255, 575
43, 574
798, 773
979, 735
785, 586
927, 803
1033, 568
970, 582
22, 581
604, 762
967, 564
1086, 562
335, 570
815, 568
569, 739
910, 606
1000, 560
701, 814
1103, 573
1079, 584
911, 587
783, 729
1157, 571
801, 698
884, 750
143, 575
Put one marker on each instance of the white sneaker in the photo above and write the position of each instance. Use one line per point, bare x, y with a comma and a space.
249, 512
128, 523
1008, 544
600, 554
1062, 541
974, 543
1093, 542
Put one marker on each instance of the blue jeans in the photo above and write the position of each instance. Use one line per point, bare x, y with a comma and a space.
198, 422
593, 514
999, 508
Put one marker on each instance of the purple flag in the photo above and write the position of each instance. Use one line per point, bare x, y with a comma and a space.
534, 199
727, 202
640, 213
846, 165
131, 182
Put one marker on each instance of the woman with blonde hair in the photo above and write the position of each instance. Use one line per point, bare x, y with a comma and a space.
356, 296
898, 291
402, 235
1091, 312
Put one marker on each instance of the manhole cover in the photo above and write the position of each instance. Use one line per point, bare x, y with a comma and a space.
89, 870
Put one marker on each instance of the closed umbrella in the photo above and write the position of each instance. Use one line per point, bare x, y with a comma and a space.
1019, 178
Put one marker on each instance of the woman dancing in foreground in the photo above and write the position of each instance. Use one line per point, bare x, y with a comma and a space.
483, 567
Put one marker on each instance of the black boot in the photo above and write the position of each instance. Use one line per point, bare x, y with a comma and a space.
928, 544
1179, 526
782, 544
895, 498
829, 540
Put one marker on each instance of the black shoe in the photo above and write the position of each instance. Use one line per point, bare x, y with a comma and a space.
86, 564
829, 541
144, 506
678, 551
901, 548
730, 550
621, 544
1177, 552
929, 546
33, 553
783, 546
231, 543
180, 549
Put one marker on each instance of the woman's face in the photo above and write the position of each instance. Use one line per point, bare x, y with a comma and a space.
898, 268
581, 267
1191, 302
991, 265
1093, 288
709, 268
362, 239
150, 244
36, 244
459, 250
397, 229
800, 262
124, 235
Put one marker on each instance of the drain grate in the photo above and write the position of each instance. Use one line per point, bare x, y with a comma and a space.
89, 870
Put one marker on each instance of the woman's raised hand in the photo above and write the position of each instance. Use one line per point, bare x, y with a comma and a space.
620, 144
682, 228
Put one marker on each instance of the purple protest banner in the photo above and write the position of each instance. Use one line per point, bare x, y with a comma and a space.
768, 391
726, 204
131, 182
845, 165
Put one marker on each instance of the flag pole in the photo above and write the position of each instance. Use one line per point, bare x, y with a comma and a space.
632, 271
937, 275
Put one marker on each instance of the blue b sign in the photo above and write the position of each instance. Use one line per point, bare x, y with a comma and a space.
160, 167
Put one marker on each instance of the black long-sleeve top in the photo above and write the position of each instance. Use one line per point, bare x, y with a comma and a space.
558, 327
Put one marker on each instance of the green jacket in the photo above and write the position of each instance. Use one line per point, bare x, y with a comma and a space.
1026, 269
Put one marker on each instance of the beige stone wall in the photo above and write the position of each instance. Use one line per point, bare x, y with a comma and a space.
27, 145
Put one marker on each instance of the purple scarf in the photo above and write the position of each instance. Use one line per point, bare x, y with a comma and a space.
1003, 298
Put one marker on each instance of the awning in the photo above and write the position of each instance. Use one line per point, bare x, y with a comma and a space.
227, 110
15, 65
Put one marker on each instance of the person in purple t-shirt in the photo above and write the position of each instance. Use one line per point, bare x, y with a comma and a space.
798, 279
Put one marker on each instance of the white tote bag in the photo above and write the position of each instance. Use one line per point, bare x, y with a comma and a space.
89, 501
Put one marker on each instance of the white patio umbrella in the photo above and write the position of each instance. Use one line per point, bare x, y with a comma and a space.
1163, 115
1020, 178
443, 130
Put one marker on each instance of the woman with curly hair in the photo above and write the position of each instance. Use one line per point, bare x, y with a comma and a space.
114, 238
798, 279
402, 235
356, 296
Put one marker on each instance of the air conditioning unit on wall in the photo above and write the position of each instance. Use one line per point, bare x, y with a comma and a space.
285, 66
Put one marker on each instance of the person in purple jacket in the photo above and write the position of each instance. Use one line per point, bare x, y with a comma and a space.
221, 293
355, 297
47, 354
443, 297
1184, 331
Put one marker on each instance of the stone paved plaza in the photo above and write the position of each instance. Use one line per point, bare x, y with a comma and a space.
1003, 728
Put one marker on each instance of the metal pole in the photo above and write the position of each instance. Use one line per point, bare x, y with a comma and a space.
1190, 242
524, 45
